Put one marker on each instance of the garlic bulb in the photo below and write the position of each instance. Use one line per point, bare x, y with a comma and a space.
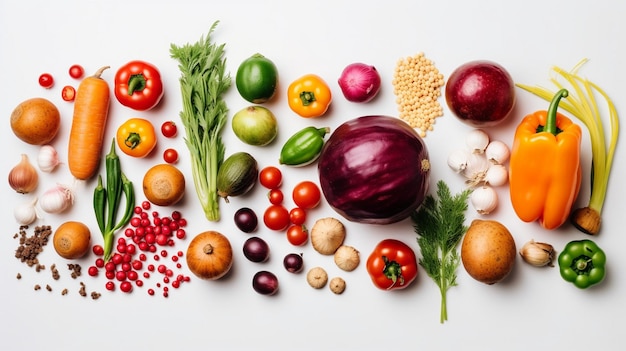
497, 175
537, 254
26, 213
347, 258
457, 160
477, 141
497, 152
476, 169
57, 199
484, 199
23, 178
48, 158
327, 235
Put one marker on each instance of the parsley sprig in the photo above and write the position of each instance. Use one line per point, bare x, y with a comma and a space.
440, 225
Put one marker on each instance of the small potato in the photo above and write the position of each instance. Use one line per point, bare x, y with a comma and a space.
488, 251
36, 121
72, 240
164, 185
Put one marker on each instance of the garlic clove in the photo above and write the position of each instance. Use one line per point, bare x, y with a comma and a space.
476, 169
23, 178
537, 254
497, 152
457, 160
497, 175
48, 158
26, 213
484, 199
477, 141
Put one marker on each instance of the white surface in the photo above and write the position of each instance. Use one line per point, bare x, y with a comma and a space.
533, 308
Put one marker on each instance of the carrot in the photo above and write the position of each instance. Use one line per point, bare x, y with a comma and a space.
91, 109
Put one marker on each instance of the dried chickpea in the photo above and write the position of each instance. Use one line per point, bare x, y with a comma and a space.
417, 85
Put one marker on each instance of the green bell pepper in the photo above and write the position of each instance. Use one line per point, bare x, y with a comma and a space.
304, 147
582, 263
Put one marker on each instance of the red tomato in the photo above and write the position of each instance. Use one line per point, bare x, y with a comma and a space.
271, 177
306, 195
46, 80
276, 217
297, 215
76, 71
169, 129
297, 235
170, 156
392, 265
276, 196
68, 93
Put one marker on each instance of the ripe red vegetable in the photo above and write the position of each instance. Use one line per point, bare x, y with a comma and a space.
374, 169
359, 82
480, 93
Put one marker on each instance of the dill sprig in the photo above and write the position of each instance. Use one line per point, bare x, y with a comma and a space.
203, 82
440, 225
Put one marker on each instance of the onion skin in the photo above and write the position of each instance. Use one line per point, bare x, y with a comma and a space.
374, 170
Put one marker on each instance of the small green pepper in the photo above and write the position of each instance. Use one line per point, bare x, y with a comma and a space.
304, 147
582, 263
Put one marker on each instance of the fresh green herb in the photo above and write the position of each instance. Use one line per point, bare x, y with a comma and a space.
582, 104
106, 201
440, 227
203, 82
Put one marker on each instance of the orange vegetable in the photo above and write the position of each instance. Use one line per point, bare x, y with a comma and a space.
91, 109
309, 96
136, 137
545, 170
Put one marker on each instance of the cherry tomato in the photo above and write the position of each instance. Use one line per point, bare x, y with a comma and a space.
306, 195
271, 177
170, 156
68, 93
276, 217
297, 235
276, 196
46, 80
297, 215
169, 129
76, 71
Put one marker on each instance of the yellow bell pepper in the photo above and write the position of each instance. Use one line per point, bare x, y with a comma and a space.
545, 168
136, 137
309, 96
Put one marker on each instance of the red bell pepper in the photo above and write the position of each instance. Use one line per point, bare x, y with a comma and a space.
138, 85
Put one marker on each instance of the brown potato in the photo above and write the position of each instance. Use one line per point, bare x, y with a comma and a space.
488, 251
164, 185
36, 121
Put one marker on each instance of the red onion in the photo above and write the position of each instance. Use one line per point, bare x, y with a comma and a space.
359, 82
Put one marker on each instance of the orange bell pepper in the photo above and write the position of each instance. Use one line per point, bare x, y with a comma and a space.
545, 168
309, 96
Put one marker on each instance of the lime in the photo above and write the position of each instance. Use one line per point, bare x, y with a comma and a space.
257, 78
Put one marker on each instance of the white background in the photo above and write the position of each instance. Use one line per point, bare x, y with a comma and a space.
533, 308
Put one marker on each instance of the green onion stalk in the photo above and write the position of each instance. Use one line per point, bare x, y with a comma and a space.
582, 104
